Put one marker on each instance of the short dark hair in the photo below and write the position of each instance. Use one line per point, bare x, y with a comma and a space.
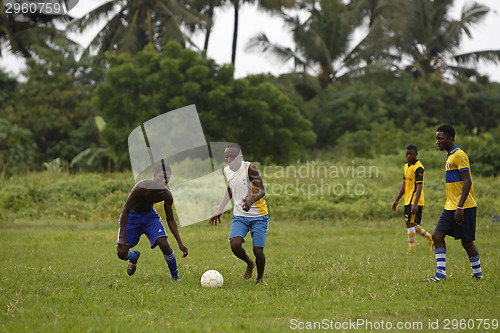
163, 167
412, 147
234, 145
448, 130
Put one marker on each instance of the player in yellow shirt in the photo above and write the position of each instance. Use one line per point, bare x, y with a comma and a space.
413, 190
459, 215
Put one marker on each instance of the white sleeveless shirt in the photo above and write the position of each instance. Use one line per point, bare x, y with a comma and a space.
242, 188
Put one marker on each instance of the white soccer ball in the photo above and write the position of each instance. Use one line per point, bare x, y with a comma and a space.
212, 278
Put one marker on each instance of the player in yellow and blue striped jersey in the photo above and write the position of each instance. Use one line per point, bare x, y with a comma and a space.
458, 218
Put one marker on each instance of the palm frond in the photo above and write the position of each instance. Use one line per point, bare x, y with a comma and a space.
474, 57
261, 43
102, 12
472, 14
463, 71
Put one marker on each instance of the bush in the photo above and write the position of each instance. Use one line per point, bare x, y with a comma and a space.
387, 139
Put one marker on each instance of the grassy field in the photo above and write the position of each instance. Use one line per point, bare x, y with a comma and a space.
65, 277
334, 262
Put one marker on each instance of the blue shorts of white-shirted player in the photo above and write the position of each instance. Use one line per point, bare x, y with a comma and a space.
257, 226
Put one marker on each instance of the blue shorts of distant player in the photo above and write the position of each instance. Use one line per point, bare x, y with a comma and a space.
148, 223
257, 226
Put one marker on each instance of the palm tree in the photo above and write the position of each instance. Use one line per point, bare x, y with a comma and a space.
132, 24
426, 37
205, 7
266, 5
210, 14
20, 32
322, 42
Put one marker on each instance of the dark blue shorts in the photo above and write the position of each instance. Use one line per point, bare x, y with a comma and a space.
148, 223
465, 231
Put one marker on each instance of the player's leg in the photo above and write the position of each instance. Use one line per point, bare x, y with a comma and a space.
474, 259
260, 260
410, 228
468, 236
410, 231
158, 237
258, 229
123, 252
440, 253
238, 250
169, 256
444, 227
421, 231
133, 233
239, 229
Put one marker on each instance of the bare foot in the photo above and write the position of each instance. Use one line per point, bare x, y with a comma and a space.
248, 272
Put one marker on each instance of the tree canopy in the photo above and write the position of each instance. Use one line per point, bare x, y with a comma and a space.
134, 24
354, 98
249, 111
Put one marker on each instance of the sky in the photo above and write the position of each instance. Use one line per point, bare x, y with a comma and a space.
252, 21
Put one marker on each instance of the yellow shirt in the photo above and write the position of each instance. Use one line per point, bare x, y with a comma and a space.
413, 175
456, 162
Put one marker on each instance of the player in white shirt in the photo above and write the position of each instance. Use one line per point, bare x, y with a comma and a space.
245, 187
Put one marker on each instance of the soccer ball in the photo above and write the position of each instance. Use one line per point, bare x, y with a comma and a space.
212, 278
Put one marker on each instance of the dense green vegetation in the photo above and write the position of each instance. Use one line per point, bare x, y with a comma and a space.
159, 82
328, 188
328, 137
76, 115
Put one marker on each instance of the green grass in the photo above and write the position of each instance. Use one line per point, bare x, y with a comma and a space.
329, 257
64, 276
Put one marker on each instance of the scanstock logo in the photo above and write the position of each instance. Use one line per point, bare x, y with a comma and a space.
27, 14
176, 138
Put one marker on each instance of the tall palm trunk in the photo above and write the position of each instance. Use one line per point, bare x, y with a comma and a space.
235, 31
210, 14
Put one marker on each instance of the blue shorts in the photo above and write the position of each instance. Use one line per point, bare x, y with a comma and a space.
257, 226
148, 223
465, 231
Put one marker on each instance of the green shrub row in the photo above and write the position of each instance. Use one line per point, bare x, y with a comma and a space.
347, 189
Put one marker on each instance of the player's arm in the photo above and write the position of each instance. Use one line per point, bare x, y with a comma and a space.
418, 192
255, 178
466, 186
400, 194
129, 203
172, 223
225, 199
419, 185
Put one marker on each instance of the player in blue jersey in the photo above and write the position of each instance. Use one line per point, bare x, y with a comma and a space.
139, 217
458, 218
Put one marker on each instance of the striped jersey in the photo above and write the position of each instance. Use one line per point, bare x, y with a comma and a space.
242, 188
413, 175
456, 162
